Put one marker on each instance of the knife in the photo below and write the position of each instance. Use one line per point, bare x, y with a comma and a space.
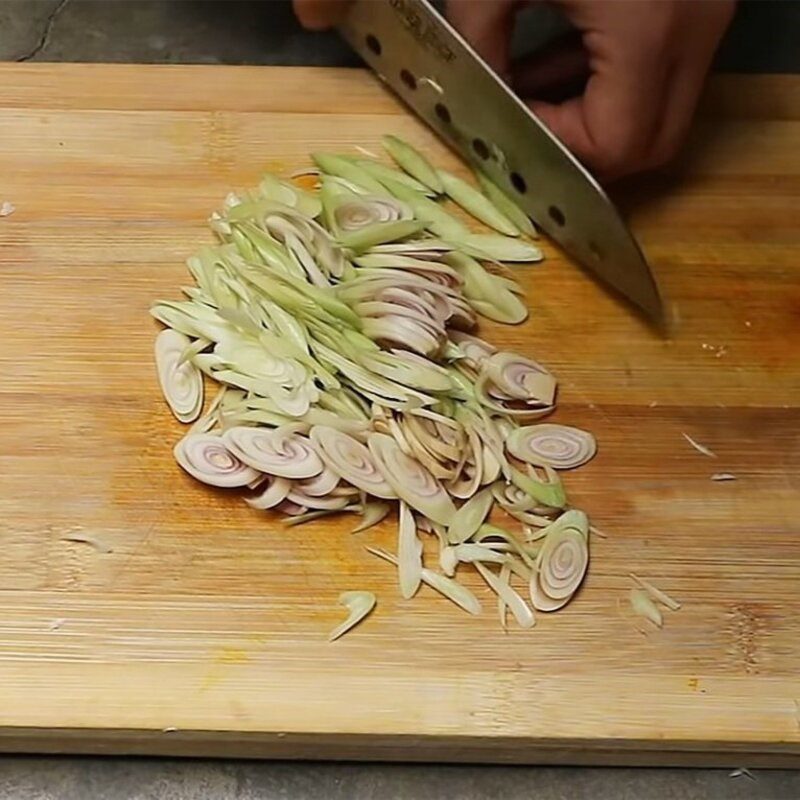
416, 52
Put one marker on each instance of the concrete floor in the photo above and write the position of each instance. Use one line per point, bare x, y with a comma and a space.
764, 39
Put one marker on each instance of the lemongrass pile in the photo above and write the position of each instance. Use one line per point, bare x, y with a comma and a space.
338, 314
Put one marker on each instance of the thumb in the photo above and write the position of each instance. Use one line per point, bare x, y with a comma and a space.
317, 15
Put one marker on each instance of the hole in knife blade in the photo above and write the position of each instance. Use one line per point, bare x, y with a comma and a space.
408, 79
557, 215
442, 113
373, 44
481, 148
518, 182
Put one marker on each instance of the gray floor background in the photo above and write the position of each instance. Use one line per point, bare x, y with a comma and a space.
764, 38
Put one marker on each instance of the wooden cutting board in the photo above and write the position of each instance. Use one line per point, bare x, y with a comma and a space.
141, 612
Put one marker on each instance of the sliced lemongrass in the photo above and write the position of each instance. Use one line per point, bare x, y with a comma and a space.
372, 513
344, 168
413, 162
448, 560
319, 485
643, 606
351, 460
505, 577
279, 451
502, 588
470, 516
549, 492
471, 553
656, 593
475, 203
275, 492
448, 587
521, 378
381, 172
330, 502
181, 382
495, 247
311, 516
436, 219
560, 568
359, 605
409, 554
701, 448
723, 476
379, 233
205, 457
559, 446
506, 205
356, 214
410, 480
488, 533
7, 208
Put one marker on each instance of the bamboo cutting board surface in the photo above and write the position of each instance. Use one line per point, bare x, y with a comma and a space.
143, 612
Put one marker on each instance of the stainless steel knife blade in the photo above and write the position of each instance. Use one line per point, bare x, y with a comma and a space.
415, 51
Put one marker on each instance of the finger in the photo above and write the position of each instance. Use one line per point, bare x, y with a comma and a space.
487, 25
611, 126
317, 15
561, 64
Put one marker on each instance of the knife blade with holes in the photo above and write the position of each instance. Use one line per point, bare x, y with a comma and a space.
431, 67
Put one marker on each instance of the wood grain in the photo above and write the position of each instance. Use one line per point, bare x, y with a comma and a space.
184, 609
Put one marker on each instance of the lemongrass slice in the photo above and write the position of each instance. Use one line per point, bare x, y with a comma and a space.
549, 492
502, 588
412, 482
205, 457
656, 593
560, 567
279, 451
470, 516
382, 173
351, 460
521, 378
319, 485
344, 168
362, 239
505, 577
471, 553
359, 605
329, 502
181, 381
372, 513
507, 206
448, 587
494, 247
473, 202
558, 446
413, 162
701, 448
276, 491
409, 554
643, 606
354, 215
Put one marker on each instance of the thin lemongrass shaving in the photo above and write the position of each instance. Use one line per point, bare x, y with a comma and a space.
643, 606
701, 448
473, 202
409, 554
656, 593
413, 162
519, 608
359, 604
469, 518
448, 587
372, 513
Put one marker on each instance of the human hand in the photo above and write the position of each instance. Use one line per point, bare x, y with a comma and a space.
646, 62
